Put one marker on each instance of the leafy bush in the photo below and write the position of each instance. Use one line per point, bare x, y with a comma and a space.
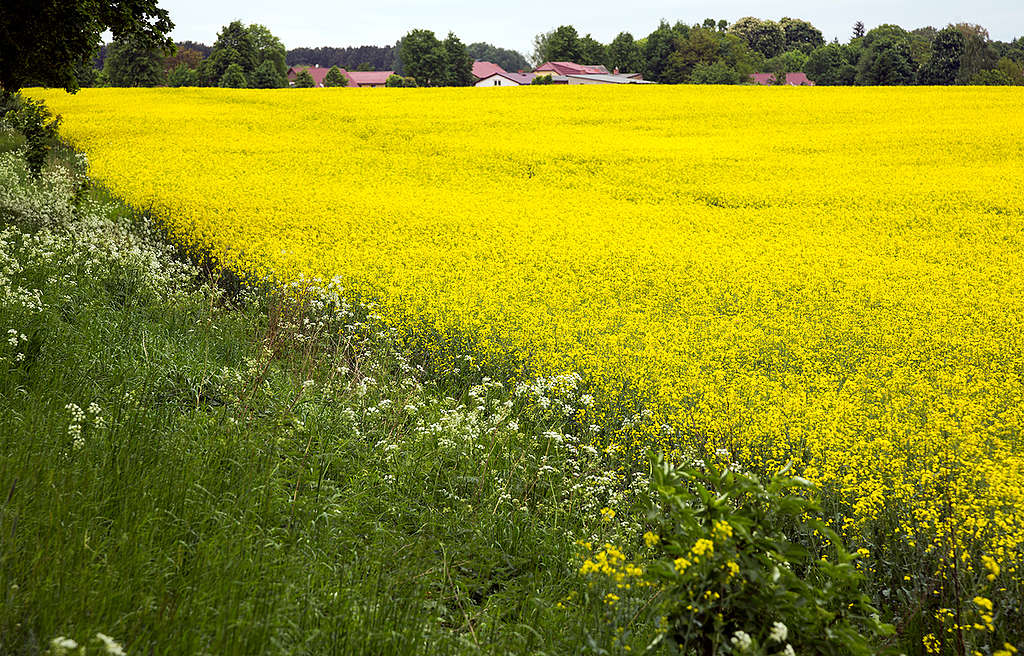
399, 81
716, 73
738, 566
37, 124
993, 77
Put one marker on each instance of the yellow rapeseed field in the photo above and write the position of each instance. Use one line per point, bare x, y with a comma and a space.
830, 275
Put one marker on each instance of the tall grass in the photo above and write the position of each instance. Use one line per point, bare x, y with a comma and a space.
192, 471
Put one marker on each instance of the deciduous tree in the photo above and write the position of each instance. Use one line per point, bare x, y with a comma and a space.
832, 64
510, 60
624, 54
800, 35
457, 62
335, 78
266, 76
885, 58
183, 76
268, 48
943, 65
978, 52
134, 62
234, 78
561, 44
658, 48
234, 45
304, 80
763, 36
46, 41
423, 57
592, 51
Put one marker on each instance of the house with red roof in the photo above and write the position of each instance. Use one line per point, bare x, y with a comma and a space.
504, 79
355, 78
570, 68
792, 79
318, 73
482, 69
368, 78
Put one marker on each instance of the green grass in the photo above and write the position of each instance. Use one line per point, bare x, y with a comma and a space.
258, 474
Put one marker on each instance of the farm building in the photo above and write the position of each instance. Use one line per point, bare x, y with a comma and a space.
792, 79
606, 78
485, 69
355, 78
504, 79
570, 68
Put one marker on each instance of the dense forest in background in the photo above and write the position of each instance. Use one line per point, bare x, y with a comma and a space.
709, 52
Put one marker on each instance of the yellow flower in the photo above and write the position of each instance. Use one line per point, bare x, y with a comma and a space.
701, 547
646, 243
607, 514
651, 539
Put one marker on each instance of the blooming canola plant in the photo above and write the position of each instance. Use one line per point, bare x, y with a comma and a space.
828, 276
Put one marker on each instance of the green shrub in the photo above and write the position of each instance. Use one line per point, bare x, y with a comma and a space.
38, 125
731, 565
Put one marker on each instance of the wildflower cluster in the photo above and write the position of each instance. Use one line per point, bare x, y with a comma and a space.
63, 646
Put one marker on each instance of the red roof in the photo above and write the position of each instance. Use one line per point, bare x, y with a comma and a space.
482, 69
355, 78
572, 68
518, 78
792, 79
367, 78
317, 72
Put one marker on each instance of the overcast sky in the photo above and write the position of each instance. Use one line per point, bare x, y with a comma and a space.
382, 22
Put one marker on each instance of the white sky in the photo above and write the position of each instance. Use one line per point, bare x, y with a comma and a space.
382, 22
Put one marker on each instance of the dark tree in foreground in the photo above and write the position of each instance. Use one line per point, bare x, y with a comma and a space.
45, 41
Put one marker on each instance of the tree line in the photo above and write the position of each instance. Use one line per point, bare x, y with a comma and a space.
709, 52
68, 53
717, 52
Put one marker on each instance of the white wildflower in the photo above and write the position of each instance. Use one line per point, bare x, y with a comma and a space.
62, 645
741, 640
779, 632
110, 645
788, 651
